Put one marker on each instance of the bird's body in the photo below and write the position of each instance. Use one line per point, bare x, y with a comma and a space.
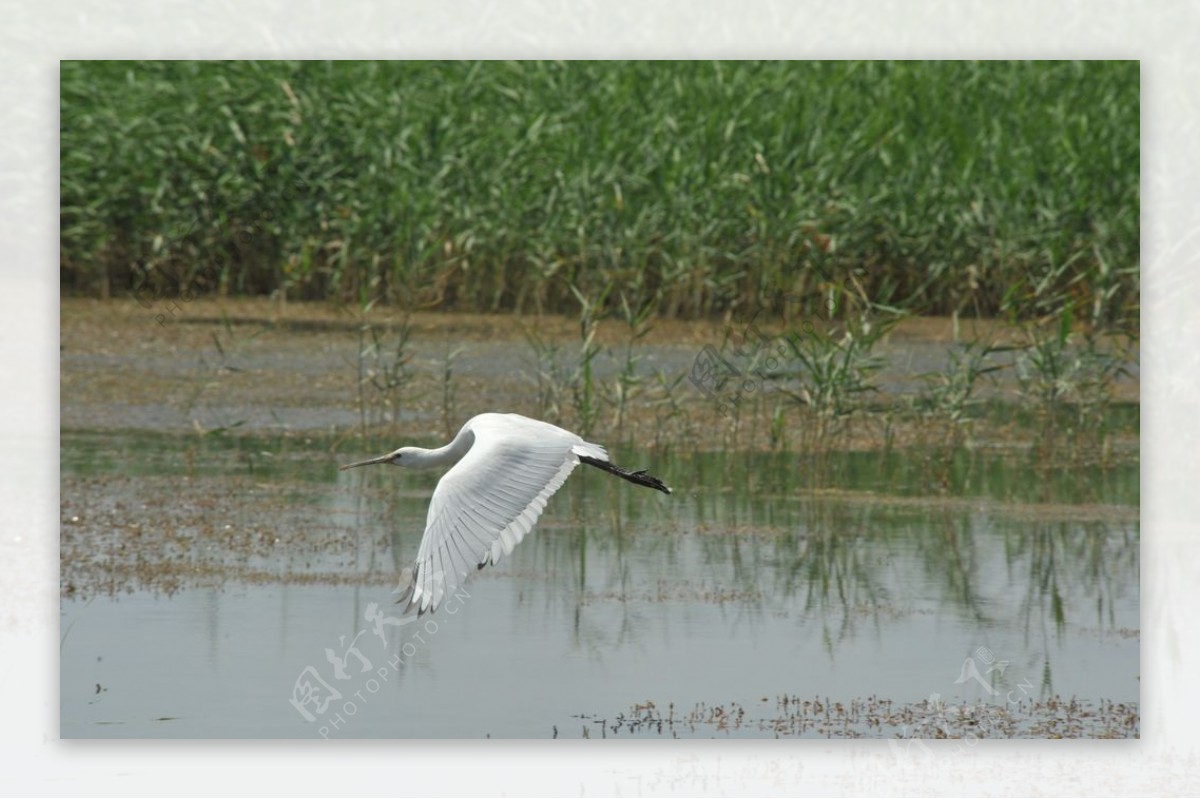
507, 467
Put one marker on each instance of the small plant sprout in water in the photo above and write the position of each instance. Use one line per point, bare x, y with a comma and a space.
1068, 378
383, 372
836, 371
583, 387
449, 394
671, 419
637, 325
950, 394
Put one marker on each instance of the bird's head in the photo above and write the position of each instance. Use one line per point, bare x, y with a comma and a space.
405, 456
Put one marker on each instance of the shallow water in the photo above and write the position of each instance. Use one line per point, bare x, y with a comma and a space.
210, 582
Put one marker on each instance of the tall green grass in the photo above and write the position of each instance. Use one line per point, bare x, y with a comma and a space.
978, 187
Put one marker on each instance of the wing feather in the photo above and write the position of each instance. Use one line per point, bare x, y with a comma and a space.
476, 540
458, 544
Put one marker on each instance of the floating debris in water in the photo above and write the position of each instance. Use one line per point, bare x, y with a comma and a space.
873, 717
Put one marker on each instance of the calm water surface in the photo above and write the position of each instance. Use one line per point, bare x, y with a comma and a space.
892, 576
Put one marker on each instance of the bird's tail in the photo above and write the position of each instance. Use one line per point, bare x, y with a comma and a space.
638, 478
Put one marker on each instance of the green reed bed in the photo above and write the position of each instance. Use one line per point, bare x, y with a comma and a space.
979, 187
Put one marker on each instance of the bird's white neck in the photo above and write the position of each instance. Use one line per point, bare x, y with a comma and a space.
419, 458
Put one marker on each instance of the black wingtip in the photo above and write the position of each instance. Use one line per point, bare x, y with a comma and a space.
638, 478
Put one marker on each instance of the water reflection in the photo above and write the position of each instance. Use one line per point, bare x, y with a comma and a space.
763, 574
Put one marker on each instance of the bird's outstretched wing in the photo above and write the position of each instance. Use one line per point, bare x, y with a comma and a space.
490, 500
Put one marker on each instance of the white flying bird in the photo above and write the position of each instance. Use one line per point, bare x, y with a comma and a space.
508, 466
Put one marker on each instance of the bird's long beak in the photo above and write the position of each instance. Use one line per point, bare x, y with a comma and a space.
380, 459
